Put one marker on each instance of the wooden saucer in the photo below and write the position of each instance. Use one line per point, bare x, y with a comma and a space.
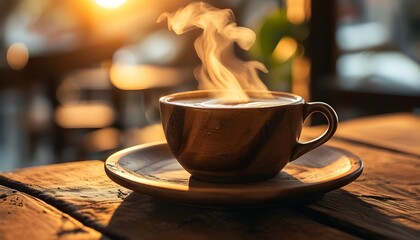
152, 169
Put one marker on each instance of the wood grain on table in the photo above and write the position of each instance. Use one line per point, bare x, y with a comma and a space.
23, 215
397, 132
84, 191
383, 203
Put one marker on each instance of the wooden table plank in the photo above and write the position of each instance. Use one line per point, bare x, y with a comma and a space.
390, 184
84, 191
386, 199
25, 217
383, 201
399, 132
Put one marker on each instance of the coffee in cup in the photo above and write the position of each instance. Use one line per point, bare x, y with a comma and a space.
242, 142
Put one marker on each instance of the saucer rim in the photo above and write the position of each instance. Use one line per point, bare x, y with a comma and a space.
215, 196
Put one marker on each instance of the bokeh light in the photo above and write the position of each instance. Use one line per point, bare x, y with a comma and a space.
110, 4
138, 77
85, 115
102, 140
17, 56
298, 11
285, 49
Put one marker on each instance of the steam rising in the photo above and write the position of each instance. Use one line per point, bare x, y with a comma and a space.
220, 68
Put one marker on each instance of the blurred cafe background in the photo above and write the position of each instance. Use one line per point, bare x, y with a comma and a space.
80, 79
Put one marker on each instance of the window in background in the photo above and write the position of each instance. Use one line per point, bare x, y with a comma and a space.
379, 46
365, 56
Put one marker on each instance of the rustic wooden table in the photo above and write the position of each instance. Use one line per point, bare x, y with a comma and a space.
78, 201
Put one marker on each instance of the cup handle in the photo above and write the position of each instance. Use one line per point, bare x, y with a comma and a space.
330, 114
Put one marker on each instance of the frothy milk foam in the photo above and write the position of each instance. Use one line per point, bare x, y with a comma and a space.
215, 103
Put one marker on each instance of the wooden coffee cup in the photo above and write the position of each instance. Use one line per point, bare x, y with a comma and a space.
238, 143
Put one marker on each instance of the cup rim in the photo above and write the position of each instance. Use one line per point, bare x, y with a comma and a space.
296, 99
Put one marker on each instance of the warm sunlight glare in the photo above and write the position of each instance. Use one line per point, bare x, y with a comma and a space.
110, 4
